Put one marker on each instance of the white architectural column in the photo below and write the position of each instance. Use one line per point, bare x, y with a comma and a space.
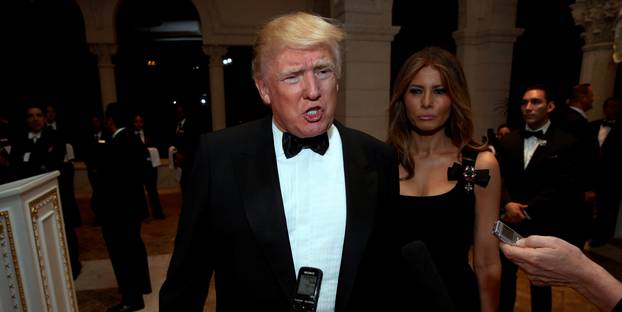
217, 85
485, 42
365, 84
107, 80
598, 17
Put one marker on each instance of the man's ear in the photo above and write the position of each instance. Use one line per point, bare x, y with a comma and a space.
550, 106
264, 91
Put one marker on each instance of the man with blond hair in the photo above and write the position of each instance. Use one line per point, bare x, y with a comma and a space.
296, 189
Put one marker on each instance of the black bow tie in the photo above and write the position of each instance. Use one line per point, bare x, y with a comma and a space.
608, 123
292, 145
538, 134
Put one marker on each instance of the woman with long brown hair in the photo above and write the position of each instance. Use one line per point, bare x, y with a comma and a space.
449, 184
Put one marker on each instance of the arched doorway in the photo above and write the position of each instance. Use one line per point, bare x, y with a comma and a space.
548, 52
160, 64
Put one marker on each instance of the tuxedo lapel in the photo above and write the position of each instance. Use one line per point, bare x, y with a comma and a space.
545, 149
259, 183
262, 198
361, 198
612, 136
513, 151
537, 156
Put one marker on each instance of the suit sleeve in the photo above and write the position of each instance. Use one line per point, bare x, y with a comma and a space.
190, 270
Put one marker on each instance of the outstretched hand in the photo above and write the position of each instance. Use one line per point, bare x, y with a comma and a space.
548, 261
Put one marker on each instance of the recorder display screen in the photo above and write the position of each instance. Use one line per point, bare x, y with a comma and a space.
507, 232
307, 285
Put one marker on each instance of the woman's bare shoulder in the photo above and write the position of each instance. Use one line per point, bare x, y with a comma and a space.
486, 160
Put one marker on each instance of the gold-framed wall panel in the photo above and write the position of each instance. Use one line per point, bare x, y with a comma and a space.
10, 266
47, 222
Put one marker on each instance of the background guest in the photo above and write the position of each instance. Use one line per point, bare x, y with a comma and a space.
572, 119
124, 205
494, 139
541, 179
181, 152
6, 175
93, 148
152, 161
609, 135
38, 150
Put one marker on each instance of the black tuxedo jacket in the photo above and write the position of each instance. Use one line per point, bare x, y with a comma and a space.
44, 156
233, 224
185, 142
610, 166
549, 185
573, 123
121, 178
92, 149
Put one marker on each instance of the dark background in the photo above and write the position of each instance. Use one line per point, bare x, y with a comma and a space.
47, 60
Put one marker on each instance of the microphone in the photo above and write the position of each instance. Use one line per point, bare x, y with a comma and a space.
307, 290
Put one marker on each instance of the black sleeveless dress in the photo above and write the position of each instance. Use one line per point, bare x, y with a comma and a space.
445, 224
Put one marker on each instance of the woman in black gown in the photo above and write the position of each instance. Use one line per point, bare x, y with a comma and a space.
449, 184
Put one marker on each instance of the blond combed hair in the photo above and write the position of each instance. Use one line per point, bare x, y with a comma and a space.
298, 30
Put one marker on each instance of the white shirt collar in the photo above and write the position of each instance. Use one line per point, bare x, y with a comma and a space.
118, 130
544, 128
32, 135
579, 110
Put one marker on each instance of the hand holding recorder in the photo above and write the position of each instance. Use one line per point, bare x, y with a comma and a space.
552, 261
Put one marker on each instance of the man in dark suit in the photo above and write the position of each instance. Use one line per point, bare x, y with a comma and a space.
571, 118
41, 149
151, 169
6, 175
187, 132
38, 150
123, 208
92, 151
540, 173
609, 136
71, 212
295, 189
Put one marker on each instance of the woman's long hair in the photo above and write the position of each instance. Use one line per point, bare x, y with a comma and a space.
459, 126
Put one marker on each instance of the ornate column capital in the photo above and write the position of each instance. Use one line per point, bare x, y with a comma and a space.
215, 54
598, 17
104, 52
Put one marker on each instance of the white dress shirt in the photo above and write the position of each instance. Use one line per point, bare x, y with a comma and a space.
34, 136
141, 135
314, 198
117, 132
531, 143
579, 110
603, 132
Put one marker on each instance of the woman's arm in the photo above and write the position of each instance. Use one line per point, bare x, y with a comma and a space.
486, 247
